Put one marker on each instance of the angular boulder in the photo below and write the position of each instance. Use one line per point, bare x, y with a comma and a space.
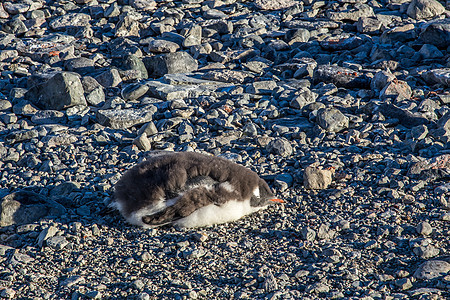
62, 90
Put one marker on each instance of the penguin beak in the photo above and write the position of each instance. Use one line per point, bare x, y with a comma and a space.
277, 200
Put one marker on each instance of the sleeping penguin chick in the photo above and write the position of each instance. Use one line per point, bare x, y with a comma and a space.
189, 190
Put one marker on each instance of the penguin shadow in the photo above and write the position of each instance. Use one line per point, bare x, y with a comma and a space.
24, 209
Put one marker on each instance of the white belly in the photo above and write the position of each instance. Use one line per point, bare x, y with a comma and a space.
214, 214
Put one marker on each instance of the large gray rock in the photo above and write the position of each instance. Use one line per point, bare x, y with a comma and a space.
274, 4
132, 62
280, 146
61, 91
125, 118
341, 77
425, 9
70, 20
352, 14
437, 33
440, 76
332, 120
178, 62
432, 269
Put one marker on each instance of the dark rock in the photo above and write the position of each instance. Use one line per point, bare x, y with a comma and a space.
437, 33
341, 77
405, 117
178, 62
61, 91
280, 146
132, 62
80, 65
109, 78
48, 117
439, 76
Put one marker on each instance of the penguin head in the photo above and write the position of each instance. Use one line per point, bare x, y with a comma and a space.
263, 195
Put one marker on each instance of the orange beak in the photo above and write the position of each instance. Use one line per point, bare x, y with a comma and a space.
277, 200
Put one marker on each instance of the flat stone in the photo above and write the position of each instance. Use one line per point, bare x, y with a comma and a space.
405, 117
228, 76
80, 65
72, 281
426, 252
70, 20
352, 14
341, 77
22, 135
162, 46
342, 42
168, 91
48, 117
143, 5
178, 62
316, 179
46, 51
20, 259
60, 139
432, 269
57, 242
125, 118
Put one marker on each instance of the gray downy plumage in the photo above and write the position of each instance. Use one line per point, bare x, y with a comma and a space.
172, 186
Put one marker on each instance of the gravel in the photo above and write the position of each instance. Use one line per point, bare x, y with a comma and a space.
341, 106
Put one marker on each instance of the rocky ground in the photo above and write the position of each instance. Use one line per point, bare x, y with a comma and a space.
342, 106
